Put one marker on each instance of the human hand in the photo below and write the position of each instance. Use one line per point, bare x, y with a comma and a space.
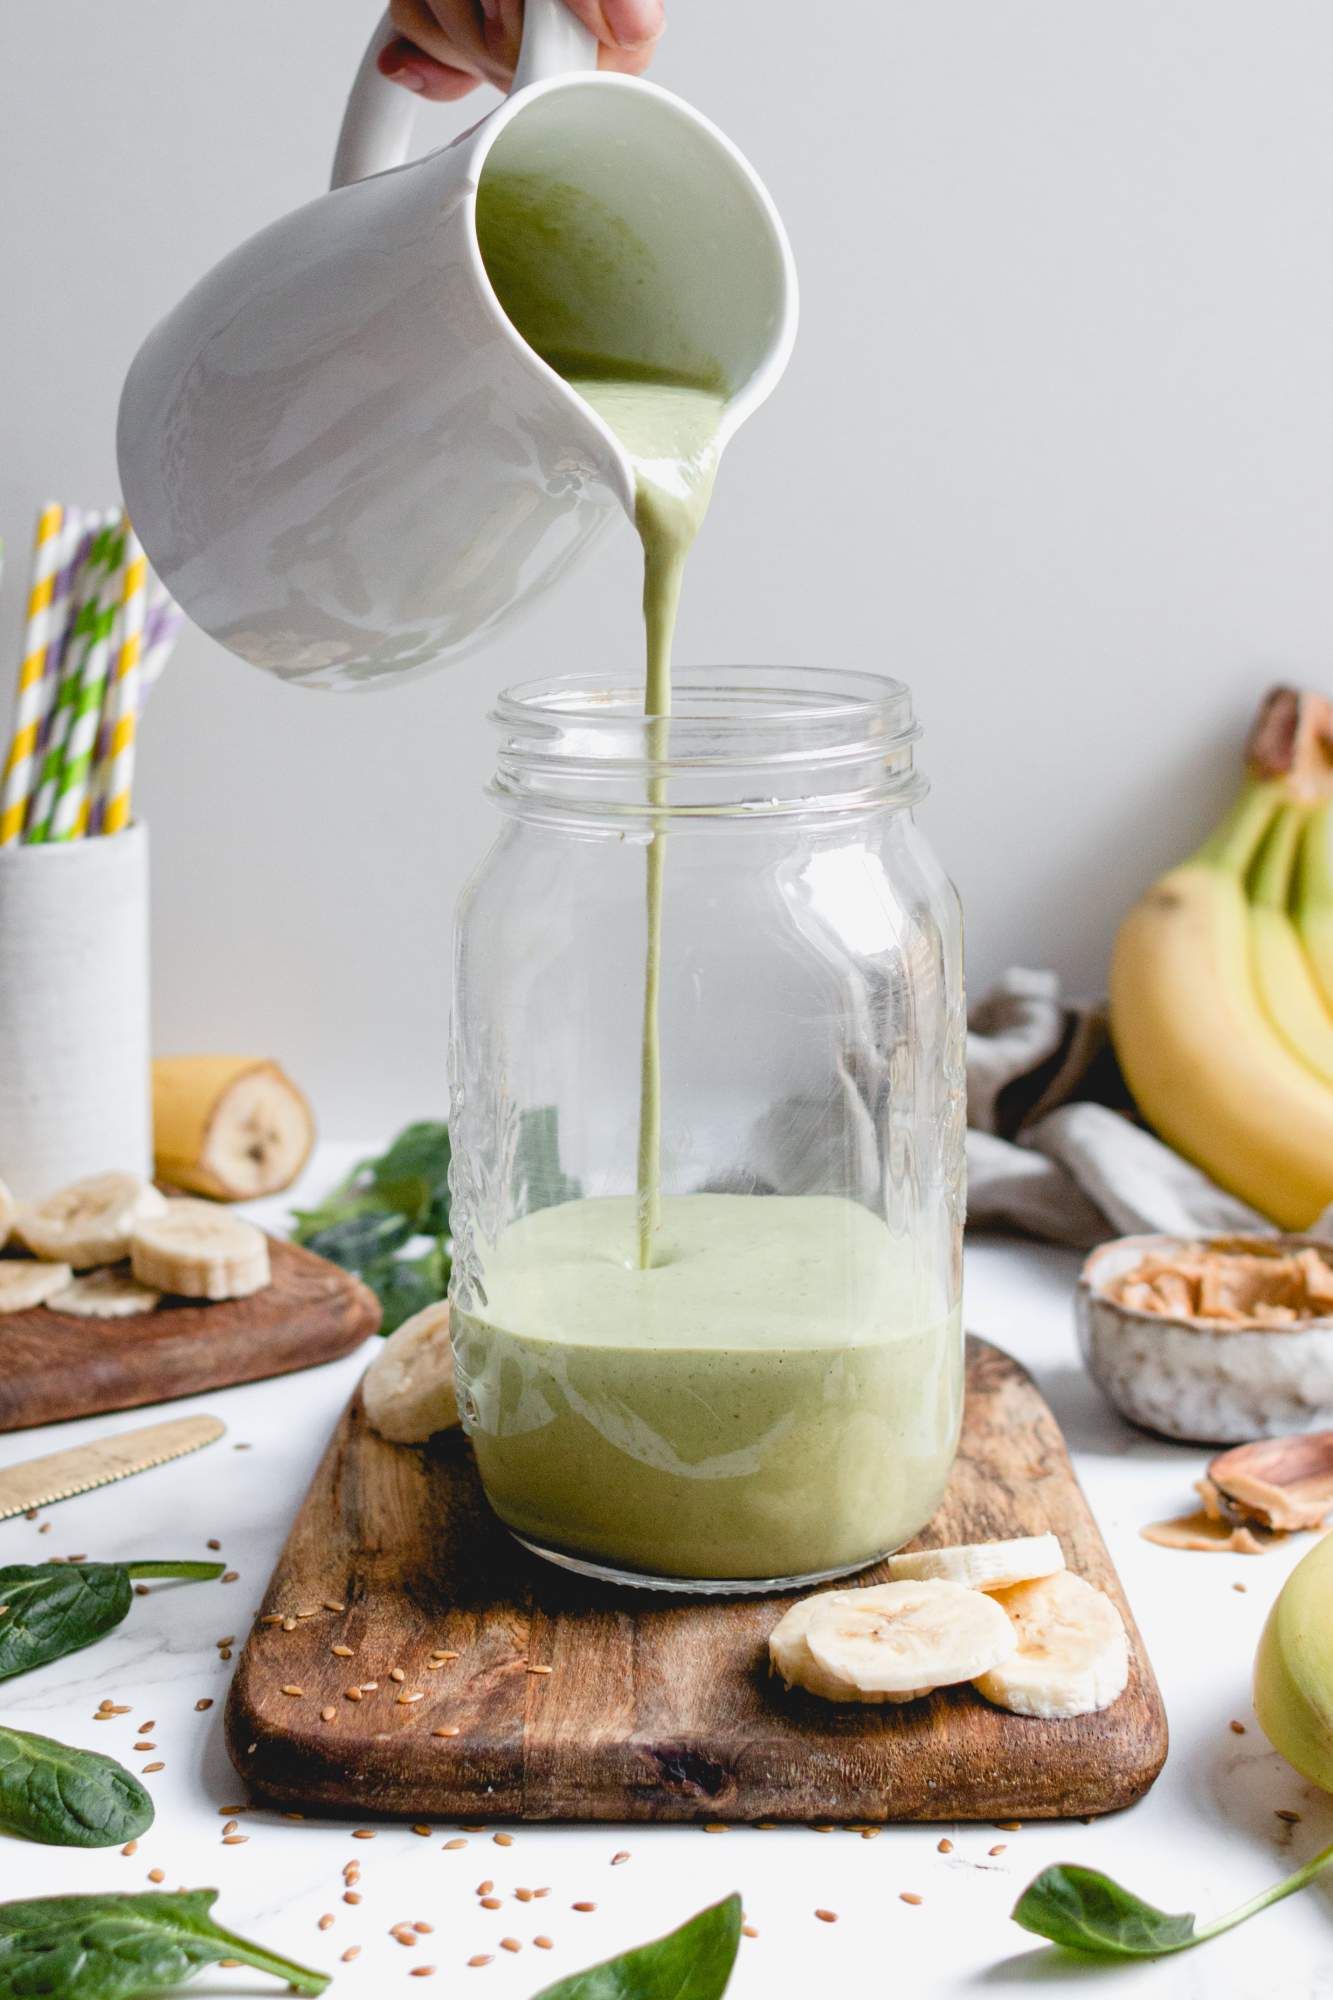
445, 48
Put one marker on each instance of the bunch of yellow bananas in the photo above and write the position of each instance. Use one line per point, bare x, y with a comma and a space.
1222, 979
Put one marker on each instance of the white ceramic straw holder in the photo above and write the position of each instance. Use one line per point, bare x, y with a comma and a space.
74, 1011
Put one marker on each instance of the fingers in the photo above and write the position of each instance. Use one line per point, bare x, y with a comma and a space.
445, 47
403, 62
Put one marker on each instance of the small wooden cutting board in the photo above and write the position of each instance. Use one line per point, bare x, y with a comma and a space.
55, 1365
654, 1708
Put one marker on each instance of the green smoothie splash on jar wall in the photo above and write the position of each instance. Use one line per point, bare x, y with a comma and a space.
732, 1386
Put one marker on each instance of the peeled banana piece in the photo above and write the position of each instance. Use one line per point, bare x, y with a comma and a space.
200, 1252
232, 1127
889, 1641
111, 1293
91, 1221
408, 1389
983, 1565
1071, 1655
24, 1283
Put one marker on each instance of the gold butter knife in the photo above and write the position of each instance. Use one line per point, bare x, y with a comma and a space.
61, 1474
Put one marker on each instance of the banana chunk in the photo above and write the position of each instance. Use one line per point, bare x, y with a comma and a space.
24, 1283
200, 1252
408, 1388
91, 1221
8, 1210
111, 1293
889, 1641
983, 1565
1072, 1655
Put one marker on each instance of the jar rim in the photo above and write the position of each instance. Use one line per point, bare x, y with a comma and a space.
765, 697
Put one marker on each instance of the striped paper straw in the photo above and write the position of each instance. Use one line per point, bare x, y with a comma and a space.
92, 641
33, 693
78, 581
116, 775
161, 627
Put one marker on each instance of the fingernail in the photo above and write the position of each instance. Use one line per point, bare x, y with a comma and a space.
410, 79
633, 24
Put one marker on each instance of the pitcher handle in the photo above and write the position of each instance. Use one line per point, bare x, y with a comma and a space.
376, 130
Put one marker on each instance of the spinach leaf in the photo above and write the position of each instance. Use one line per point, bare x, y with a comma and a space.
413, 1176
50, 1609
406, 1285
370, 1219
1084, 1910
114, 1947
68, 1798
692, 1963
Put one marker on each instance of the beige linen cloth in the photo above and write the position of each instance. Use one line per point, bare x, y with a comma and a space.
1052, 1146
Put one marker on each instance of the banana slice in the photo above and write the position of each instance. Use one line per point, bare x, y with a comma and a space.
409, 1387
983, 1565
24, 1283
8, 1210
90, 1222
1072, 1655
200, 1252
106, 1294
888, 1641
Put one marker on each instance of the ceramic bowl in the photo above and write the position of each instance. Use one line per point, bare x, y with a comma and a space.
1200, 1381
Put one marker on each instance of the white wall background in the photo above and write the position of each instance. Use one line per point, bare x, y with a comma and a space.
1056, 446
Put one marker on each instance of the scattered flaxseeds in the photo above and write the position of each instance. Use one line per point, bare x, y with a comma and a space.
583, 1908
909, 1896
327, 1714
423, 1930
332, 1604
130, 1847
234, 1839
141, 1590
342, 1652
450, 1846
827, 1916
616, 1859
944, 1847
510, 1944
231, 1576
1240, 1587
145, 1746
147, 1728
748, 1930
292, 1689
363, 1833
148, 1769
997, 1849
1291, 1818
326, 1922
540, 1892
871, 1832
397, 1674
449, 1729
212, 1543
484, 1888
503, 1839
271, 1618
288, 1624
352, 1951
232, 1826
523, 1895
715, 1826
351, 1895
825, 1826
422, 1972
482, 1958
157, 1875
424, 1831
406, 1700
1008, 1826
543, 1943
204, 1701
351, 1694
1237, 1728
491, 1903
541, 1670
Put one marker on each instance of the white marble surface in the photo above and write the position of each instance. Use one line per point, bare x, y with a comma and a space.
1204, 1839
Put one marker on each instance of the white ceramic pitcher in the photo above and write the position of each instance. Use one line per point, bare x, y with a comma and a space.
343, 459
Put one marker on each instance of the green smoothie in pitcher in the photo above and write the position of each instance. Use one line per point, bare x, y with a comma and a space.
705, 1386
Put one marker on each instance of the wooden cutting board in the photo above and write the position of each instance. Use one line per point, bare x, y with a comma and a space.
54, 1365
655, 1708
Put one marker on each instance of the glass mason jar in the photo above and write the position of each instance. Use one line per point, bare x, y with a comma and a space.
719, 1348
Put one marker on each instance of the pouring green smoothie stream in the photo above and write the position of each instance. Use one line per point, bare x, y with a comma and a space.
706, 1386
